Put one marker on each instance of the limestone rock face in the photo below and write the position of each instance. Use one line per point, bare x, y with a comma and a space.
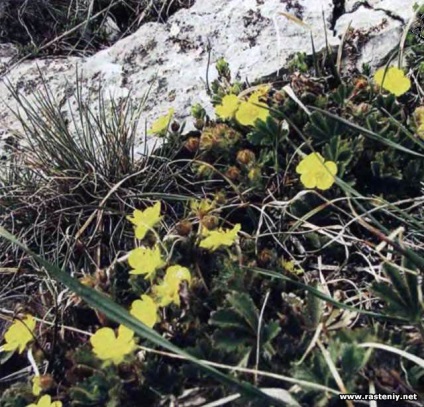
171, 58
378, 26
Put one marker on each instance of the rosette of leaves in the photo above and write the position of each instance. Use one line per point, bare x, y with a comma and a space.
349, 359
404, 294
94, 385
237, 328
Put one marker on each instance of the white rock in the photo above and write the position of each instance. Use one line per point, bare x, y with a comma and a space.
380, 26
399, 8
250, 34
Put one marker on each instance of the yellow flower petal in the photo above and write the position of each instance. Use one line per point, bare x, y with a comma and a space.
176, 274
331, 167
202, 207
258, 94
309, 162
19, 334
145, 220
168, 291
248, 113
145, 261
46, 401
166, 294
228, 107
218, 238
36, 385
308, 180
108, 347
145, 310
125, 334
160, 126
393, 80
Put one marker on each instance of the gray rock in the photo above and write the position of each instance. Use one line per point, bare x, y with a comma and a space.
172, 58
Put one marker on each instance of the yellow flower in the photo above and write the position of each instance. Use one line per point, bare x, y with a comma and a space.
145, 261
258, 94
393, 80
166, 294
168, 291
19, 334
249, 111
160, 126
315, 172
111, 348
217, 238
145, 220
290, 266
175, 274
46, 401
145, 310
36, 385
228, 107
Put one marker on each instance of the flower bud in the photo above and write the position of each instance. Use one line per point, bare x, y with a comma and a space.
199, 124
198, 112
223, 68
208, 139
184, 228
233, 173
254, 174
218, 136
360, 83
419, 116
245, 157
210, 222
175, 126
236, 88
46, 382
279, 96
204, 171
192, 144
266, 256
363, 108
219, 198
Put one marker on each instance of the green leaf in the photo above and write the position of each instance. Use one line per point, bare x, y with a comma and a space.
245, 307
228, 318
323, 128
387, 294
411, 281
314, 309
230, 340
399, 284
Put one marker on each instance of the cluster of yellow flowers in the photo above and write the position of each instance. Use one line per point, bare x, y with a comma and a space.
245, 112
111, 347
147, 261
